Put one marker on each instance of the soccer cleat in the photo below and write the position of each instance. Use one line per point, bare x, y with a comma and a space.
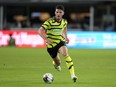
58, 68
74, 79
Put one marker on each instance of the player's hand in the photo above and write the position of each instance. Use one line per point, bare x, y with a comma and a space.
67, 40
48, 41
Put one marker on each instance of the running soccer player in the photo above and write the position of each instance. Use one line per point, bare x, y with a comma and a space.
56, 39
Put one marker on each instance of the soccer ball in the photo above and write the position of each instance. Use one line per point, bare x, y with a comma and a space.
48, 78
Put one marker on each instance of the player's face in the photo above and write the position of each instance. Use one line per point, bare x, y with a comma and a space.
58, 14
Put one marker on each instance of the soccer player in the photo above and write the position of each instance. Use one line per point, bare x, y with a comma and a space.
56, 39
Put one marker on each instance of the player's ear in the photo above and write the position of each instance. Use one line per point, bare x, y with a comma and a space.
63, 13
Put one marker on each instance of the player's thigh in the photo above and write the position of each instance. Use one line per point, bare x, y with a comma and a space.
63, 50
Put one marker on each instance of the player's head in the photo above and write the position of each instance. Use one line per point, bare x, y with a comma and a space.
59, 11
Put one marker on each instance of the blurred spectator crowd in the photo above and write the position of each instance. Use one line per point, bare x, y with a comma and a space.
31, 17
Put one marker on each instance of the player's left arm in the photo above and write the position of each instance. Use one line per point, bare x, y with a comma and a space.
65, 35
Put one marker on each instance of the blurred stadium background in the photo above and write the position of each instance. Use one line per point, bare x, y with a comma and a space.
96, 18
92, 35
84, 15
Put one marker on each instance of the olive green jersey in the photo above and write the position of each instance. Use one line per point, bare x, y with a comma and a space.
54, 31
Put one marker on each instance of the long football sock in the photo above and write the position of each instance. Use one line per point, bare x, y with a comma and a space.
70, 65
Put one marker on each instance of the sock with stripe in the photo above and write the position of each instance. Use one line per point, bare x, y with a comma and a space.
70, 66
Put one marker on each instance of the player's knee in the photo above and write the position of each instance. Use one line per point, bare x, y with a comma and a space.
64, 54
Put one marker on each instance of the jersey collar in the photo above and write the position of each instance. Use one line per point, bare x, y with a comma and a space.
56, 20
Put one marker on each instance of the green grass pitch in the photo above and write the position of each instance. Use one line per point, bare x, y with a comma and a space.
24, 67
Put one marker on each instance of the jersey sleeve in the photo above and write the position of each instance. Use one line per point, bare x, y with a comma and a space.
46, 25
66, 23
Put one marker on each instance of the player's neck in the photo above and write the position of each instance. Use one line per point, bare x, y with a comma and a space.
58, 20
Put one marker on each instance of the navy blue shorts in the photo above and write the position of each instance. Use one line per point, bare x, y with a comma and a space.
53, 51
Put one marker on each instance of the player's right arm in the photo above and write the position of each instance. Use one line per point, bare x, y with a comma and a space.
41, 30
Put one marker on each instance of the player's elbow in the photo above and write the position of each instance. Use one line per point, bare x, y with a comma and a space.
40, 30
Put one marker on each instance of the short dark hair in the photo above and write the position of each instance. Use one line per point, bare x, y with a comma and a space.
61, 7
